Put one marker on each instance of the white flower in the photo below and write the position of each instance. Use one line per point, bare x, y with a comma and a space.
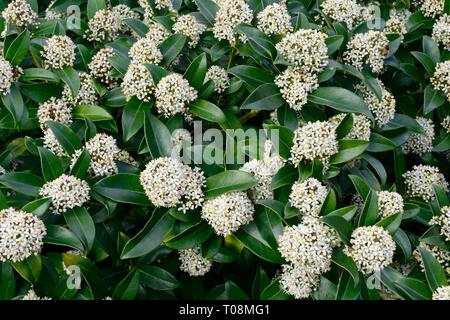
384, 109
314, 140
308, 245
361, 127
220, 78
164, 4
100, 67
419, 181
442, 293
441, 255
308, 196
441, 31
446, 124
172, 94
138, 82
306, 49
193, 262
228, 212
87, 93
274, 20
20, 14
169, 183
51, 14
55, 109
31, 295
66, 192
103, 150
367, 48
51, 143
59, 52
295, 85
348, 11
145, 51
231, 13
389, 203
420, 143
104, 26
298, 282
441, 78
397, 22
21, 235
157, 32
148, 12
443, 221
372, 248
180, 139
432, 8
125, 157
123, 12
190, 27
6, 76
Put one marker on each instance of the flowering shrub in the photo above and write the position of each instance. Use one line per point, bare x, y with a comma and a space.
225, 149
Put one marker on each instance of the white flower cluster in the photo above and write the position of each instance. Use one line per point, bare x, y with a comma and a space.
263, 171
361, 127
194, 263
190, 27
21, 234
384, 109
145, 51
441, 31
419, 181
51, 14
231, 13
20, 14
372, 248
6, 76
124, 12
297, 282
348, 11
172, 94
51, 143
432, 8
180, 139
55, 109
137, 82
441, 78
306, 49
446, 124
397, 22
389, 203
125, 157
440, 254
367, 48
31, 295
443, 221
295, 85
442, 293
168, 183
100, 67
275, 20
308, 196
164, 4
220, 78
228, 212
59, 52
87, 93
66, 192
420, 143
103, 150
104, 26
314, 140
157, 32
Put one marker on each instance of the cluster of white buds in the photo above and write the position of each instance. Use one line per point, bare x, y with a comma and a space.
52, 144
31, 295
418, 143
220, 78
297, 282
440, 254
100, 67
6, 76
55, 109
66, 192
87, 93
123, 12
231, 13
361, 127
441, 31
164, 4
348, 11
308, 245
169, 183
147, 9
442, 293
275, 20
145, 51
228, 212
372, 248
368, 48
21, 235
419, 181
389, 203
432, 8
397, 22
443, 221
181, 138
172, 94
104, 26
125, 157
306, 49
446, 124
103, 150
157, 33
441, 78
314, 140
137, 82
384, 109
59, 52
194, 263
20, 14
295, 85
308, 196
51, 14
190, 27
